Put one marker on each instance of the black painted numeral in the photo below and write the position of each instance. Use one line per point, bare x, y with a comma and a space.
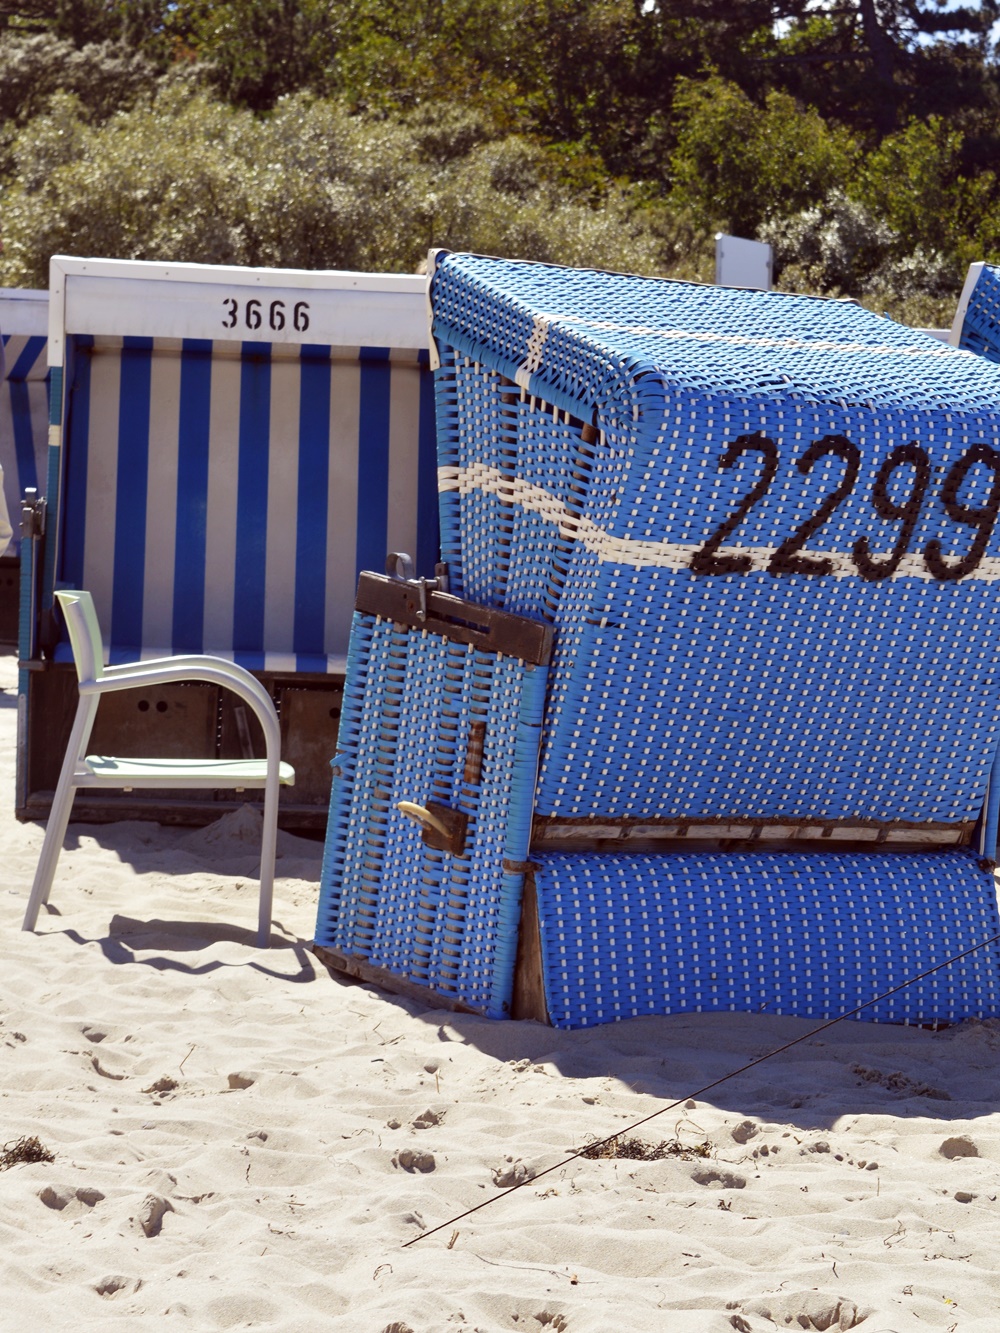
705, 560
904, 455
983, 520
789, 558
253, 314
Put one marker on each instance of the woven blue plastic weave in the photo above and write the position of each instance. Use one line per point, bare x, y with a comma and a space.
781, 933
677, 693
444, 921
981, 324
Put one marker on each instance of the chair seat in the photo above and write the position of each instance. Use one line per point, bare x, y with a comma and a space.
107, 771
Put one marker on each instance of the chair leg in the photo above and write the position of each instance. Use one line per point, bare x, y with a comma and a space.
62, 805
268, 851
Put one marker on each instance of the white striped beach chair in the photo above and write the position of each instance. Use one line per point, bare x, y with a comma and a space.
228, 448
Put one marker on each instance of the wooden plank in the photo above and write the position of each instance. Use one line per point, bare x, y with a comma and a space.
310, 720
175, 721
529, 986
608, 835
353, 965
10, 597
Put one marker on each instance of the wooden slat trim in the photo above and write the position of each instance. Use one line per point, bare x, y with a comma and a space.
353, 965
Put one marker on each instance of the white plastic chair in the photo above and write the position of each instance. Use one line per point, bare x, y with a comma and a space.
82, 770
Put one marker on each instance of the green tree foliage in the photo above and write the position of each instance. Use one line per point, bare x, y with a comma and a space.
258, 50
859, 136
104, 76
737, 164
914, 180
874, 63
311, 186
135, 22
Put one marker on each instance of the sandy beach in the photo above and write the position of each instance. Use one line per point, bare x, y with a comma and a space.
241, 1141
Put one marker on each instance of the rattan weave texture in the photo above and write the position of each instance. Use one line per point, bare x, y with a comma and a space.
781, 933
981, 325
768, 603
444, 921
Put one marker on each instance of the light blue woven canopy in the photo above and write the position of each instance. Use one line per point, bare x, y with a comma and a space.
604, 330
763, 693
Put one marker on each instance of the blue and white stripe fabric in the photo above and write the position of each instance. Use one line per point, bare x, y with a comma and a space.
23, 399
222, 497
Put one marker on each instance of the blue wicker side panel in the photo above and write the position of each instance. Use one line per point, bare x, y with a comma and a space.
981, 326
416, 709
781, 933
513, 483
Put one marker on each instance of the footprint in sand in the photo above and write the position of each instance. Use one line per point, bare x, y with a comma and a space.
60, 1198
411, 1160
151, 1213
809, 1310
114, 1283
959, 1146
722, 1180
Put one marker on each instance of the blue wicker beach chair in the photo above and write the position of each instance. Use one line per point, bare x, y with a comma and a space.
761, 529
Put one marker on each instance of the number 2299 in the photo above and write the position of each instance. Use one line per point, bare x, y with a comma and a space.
254, 313
791, 557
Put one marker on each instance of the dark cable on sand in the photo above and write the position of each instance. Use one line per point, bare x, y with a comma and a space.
590, 1147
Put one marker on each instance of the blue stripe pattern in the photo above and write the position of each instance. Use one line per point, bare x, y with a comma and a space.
314, 477
133, 484
264, 384
251, 503
192, 495
72, 508
428, 535
24, 380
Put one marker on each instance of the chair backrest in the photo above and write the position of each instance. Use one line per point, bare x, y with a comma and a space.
24, 411
764, 527
222, 498
236, 446
84, 634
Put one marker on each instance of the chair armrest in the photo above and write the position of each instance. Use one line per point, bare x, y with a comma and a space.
210, 670
181, 667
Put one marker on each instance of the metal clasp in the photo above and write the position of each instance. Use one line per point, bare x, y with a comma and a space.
399, 565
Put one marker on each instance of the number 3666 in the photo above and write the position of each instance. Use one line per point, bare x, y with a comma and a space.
256, 314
